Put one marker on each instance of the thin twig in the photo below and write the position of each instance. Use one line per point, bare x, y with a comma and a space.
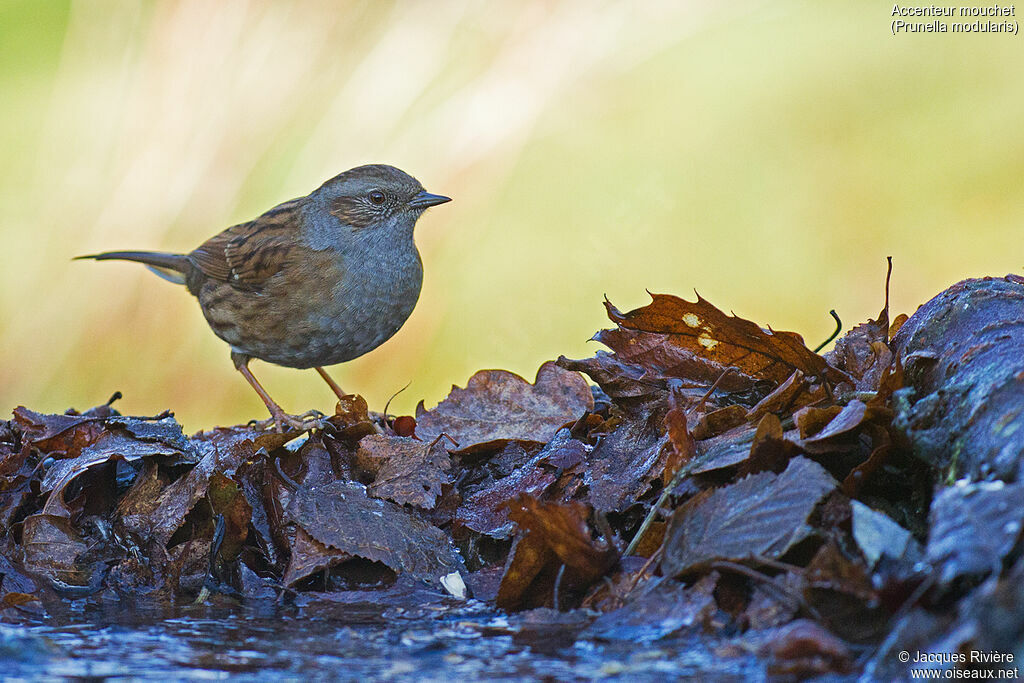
839, 328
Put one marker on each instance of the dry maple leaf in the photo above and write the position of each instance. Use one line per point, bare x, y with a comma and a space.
728, 341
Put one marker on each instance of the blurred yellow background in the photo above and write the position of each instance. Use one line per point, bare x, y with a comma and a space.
768, 154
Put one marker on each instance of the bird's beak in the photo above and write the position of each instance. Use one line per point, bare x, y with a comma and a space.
425, 200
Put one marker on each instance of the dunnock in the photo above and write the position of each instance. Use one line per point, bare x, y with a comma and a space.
314, 281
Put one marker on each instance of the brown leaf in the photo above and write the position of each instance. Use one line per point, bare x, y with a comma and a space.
178, 499
67, 434
662, 357
719, 421
114, 445
811, 420
54, 549
526, 560
841, 431
342, 516
681, 443
498, 406
411, 471
804, 649
308, 557
554, 534
564, 528
729, 341
351, 419
226, 498
487, 511
622, 382
762, 515
662, 607
792, 394
629, 458
839, 589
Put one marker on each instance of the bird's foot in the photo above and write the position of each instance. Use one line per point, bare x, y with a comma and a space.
281, 421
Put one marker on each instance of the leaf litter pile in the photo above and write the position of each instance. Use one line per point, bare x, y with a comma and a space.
703, 479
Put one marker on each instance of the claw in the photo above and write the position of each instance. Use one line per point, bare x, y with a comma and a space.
282, 421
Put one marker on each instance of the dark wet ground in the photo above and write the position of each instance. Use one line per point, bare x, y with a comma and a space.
313, 639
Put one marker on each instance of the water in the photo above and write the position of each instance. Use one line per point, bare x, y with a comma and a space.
357, 639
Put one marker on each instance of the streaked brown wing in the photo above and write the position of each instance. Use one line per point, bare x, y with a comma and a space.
249, 253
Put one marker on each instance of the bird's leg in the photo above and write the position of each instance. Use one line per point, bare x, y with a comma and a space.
281, 418
331, 383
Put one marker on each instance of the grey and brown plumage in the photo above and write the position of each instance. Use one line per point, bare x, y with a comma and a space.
314, 281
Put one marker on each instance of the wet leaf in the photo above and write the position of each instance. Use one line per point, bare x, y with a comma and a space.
487, 511
226, 498
762, 515
973, 527
54, 549
877, 535
841, 431
178, 499
662, 607
727, 340
680, 442
622, 382
309, 556
58, 434
839, 589
529, 556
804, 649
411, 472
498, 406
342, 516
629, 458
719, 421
554, 534
564, 528
110, 446
351, 419
661, 356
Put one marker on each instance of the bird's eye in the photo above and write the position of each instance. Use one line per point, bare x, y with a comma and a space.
376, 197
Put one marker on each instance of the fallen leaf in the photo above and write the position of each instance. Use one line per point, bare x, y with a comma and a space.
554, 534
622, 382
54, 549
342, 516
498, 406
411, 472
680, 442
972, 527
661, 356
762, 515
804, 649
309, 556
877, 535
564, 528
662, 607
727, 340
631, 456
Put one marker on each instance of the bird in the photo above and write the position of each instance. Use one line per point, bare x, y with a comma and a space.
314, 281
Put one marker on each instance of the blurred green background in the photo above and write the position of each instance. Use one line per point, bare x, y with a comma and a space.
768, 154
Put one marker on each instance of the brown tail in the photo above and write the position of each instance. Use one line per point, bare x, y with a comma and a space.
173, 267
